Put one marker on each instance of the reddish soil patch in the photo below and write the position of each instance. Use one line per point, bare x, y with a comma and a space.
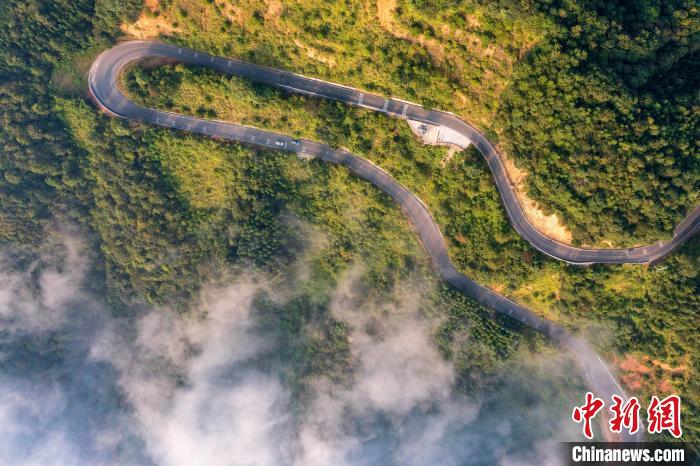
642, 374
152, 5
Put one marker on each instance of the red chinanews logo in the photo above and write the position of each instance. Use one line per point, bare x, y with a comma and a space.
662, 415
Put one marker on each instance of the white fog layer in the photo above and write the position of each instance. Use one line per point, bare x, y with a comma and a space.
210, 387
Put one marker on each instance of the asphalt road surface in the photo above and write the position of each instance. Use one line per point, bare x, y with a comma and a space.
103, 79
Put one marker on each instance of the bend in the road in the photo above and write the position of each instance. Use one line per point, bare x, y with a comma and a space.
103, 84
402, 109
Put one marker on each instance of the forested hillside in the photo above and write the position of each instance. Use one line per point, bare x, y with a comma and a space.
39, 162
598, 103
605, 116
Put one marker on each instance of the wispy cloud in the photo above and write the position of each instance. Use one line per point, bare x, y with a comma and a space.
36, 298
400, 376
195, 390
79, 386
403, 407
56, 405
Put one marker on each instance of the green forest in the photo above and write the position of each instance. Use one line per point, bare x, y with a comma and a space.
597, 101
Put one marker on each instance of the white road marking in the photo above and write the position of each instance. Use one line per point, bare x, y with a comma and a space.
386, 105
622, 392
362, 97
403, 112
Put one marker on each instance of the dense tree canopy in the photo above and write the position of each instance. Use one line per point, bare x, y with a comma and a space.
605, 116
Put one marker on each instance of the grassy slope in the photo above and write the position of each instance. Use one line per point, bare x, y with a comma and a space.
347, 42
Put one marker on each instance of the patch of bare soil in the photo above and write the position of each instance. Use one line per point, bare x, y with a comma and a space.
473, 21
234, 14
385, 13
274, 9
451, 151
650, 375
152, 5
549, 225
149, 27
314, 54
497, 287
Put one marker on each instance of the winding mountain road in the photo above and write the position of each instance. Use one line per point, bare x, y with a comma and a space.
103, 85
